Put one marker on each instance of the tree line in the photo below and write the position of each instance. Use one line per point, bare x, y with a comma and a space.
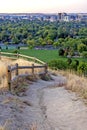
34, 33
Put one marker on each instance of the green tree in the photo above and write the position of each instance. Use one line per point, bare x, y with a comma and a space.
15, 40
30, 43
84, 54
82, 47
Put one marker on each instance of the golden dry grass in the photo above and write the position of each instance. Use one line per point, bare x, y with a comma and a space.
4, 62
75, 83
3, 75
22, 62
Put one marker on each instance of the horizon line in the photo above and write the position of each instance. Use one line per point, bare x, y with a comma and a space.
42, 12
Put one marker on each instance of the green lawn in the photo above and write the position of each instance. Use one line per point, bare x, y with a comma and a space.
44, 55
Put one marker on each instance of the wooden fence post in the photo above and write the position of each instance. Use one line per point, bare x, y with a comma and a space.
46, 67
9, 78
32, 69
16, 72
16, 69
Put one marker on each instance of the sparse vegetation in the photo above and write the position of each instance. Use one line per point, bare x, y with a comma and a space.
77, 84
24, 81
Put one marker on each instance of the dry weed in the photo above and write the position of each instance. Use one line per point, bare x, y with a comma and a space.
76, 84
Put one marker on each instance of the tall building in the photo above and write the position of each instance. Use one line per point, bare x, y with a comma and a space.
61, 16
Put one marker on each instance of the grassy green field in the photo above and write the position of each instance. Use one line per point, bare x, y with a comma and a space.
44, 55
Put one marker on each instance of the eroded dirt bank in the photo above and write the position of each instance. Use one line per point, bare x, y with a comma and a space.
43, 107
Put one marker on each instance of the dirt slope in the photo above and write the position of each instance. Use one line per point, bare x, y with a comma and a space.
44, 106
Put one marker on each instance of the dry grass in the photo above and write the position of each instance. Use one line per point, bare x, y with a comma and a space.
22, 62
75, 83
3, 75
4, 62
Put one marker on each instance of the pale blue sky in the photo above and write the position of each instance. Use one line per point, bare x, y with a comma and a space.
43, 6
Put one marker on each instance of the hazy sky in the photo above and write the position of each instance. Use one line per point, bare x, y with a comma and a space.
43, 6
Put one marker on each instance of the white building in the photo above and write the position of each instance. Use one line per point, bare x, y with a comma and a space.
66, 18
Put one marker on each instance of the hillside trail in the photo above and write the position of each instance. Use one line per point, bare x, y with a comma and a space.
45, 106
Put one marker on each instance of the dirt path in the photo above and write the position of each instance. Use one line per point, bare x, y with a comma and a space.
44, 107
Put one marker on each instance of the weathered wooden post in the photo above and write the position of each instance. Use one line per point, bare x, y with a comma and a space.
16, 69
9, 78
16, 73
32, 69
46, 67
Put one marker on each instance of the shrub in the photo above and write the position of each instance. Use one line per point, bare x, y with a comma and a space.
61, 52
71, 53
84, 54
58, 64
18, 47
65, 53
77, 62
69, 61
73, 66
16, 51
53, 64
79, 67
82, 68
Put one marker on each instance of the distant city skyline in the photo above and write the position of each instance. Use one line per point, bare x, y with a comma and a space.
43, 6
